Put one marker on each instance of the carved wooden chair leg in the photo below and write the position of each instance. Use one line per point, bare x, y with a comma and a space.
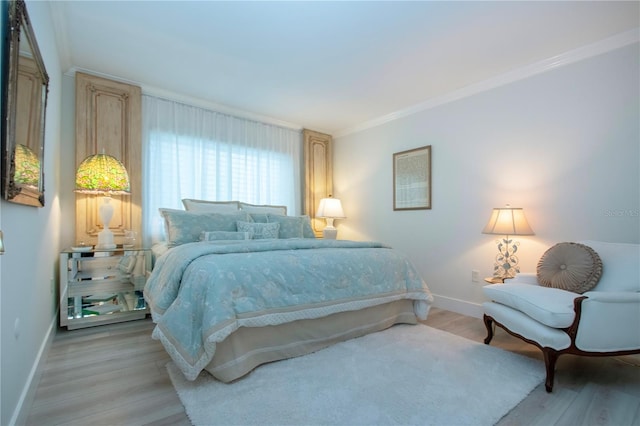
488, 321
550, 358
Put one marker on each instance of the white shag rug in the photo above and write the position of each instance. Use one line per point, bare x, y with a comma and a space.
405, 375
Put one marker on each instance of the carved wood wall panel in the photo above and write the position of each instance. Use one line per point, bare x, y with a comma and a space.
108, 119
318, 159
29, 107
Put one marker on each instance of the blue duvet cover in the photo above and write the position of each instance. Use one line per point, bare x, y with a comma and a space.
199, 293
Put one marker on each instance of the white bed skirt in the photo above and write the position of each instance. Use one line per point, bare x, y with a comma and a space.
247, 348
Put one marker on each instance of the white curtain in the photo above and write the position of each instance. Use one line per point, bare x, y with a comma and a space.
190, 152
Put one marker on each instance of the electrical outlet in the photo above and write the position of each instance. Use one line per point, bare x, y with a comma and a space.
475, 276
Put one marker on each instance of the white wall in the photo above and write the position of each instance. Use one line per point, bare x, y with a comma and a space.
564, 145
32, 242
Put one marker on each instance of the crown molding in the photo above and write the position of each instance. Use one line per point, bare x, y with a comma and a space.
603, 46
190, 100
220, 108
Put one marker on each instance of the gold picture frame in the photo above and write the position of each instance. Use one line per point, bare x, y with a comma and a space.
412, 179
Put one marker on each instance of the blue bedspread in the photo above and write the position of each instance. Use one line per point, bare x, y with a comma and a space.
199, 293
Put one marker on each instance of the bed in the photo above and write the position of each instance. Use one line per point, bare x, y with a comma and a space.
227, 303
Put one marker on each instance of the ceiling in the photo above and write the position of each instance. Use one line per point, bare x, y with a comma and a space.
327, 66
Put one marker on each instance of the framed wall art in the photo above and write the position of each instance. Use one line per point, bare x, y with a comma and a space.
412, 179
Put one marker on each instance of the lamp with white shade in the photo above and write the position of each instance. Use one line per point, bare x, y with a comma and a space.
330, 209
507, 221
102, 174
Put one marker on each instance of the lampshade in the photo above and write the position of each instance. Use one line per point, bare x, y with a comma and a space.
27, 166
102, 174
508, 221
330, 208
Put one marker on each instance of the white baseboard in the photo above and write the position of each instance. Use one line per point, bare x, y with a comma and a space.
463, 307
21, 412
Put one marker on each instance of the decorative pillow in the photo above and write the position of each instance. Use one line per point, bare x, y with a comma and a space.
254, 208
223, 235
290, 226
570, 266
307, 230
186, 226
259, 231
211, 206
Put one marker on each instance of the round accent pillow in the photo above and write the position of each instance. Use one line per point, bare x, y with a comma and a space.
570, 266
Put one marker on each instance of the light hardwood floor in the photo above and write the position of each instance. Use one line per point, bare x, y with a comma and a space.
116, 375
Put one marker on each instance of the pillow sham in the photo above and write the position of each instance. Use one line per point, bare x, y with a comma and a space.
307, 230
255, 208
211, 206
259, 217
290, 226
223, 235
186, 226
259, 231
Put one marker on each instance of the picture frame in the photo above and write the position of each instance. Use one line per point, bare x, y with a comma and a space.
412, 179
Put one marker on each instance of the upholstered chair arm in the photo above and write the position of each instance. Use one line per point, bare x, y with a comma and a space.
610, 321
525, 278
612, 297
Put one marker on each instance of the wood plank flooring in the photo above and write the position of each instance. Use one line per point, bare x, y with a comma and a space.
116, 375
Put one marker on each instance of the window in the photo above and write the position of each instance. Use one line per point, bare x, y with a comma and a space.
189, 152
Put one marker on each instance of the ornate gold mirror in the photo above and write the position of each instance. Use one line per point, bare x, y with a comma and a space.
26, 85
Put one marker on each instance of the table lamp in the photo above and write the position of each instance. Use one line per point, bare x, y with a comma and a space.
330, 209
102, 174
507, 221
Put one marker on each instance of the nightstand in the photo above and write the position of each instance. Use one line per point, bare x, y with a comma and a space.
102, 286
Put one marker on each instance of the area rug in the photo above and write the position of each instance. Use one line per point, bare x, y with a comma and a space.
405, 375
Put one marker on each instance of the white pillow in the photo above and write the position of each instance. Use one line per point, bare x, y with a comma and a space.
205, 206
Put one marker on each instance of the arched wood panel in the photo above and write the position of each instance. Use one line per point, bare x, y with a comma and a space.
318, 159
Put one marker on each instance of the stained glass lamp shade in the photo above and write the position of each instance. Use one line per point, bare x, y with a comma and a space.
507, 221
102, 174
27, 166
330, 209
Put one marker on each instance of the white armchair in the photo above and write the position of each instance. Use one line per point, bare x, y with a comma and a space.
602, 321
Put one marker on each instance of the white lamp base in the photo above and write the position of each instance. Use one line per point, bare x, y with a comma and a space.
105, 237
329, 233
105, 240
